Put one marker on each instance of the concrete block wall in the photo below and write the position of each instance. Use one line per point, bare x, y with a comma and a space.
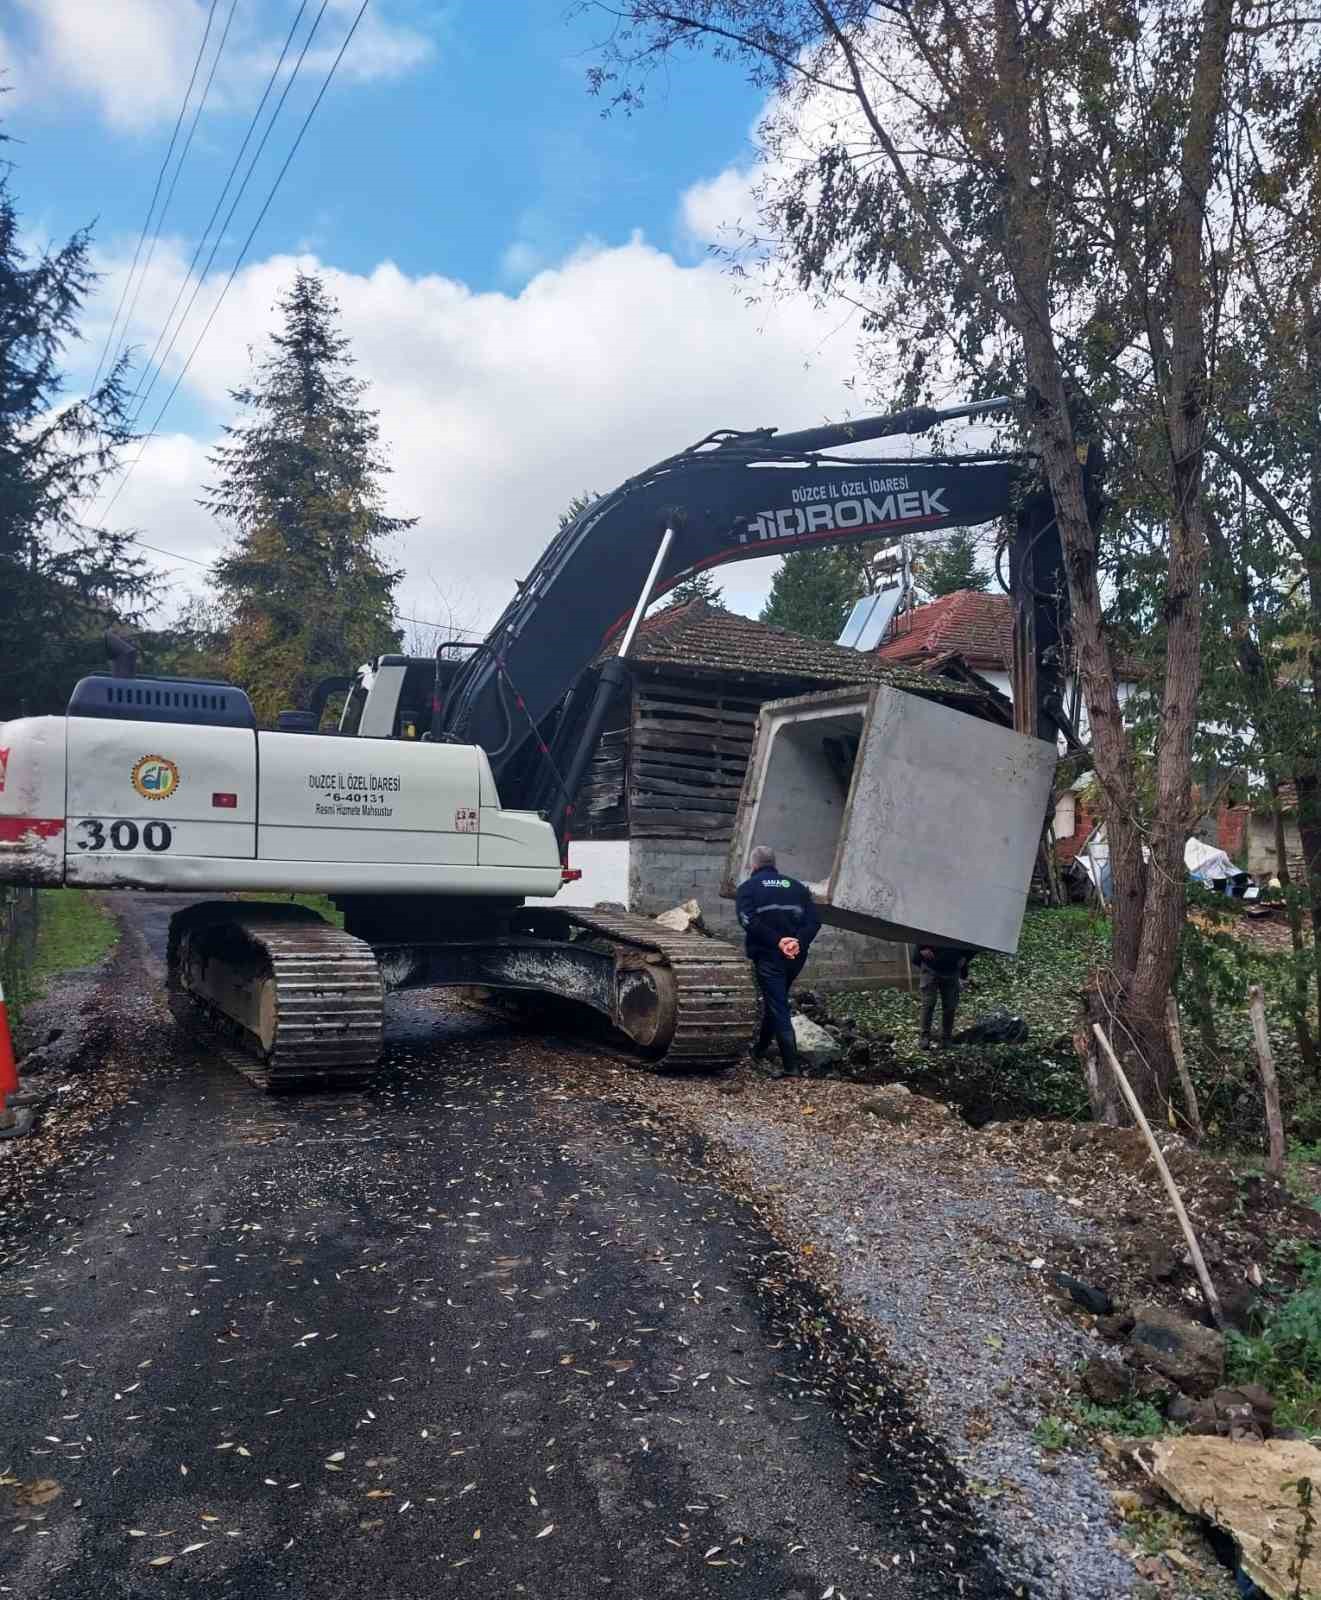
665, 872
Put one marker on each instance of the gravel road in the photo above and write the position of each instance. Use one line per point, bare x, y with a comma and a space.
476, 1329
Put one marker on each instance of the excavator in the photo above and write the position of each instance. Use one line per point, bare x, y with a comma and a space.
438, 814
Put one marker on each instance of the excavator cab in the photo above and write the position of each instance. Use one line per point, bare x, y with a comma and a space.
390, 698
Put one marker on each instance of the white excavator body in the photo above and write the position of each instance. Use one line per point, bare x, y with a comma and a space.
103, 799
169, 785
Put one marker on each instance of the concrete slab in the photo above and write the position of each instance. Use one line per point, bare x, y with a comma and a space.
908, 820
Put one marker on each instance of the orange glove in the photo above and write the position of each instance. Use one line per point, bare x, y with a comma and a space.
789, 949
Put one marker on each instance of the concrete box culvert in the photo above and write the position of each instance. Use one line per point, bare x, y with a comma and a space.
907, 819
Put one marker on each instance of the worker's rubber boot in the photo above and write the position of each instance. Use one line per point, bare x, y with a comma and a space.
791, 1065
924, 1042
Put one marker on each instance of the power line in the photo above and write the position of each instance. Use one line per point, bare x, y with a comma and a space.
160, 178
174, 181
206, 326
152, 364
399, 616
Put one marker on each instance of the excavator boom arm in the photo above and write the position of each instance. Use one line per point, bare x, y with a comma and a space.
731, 498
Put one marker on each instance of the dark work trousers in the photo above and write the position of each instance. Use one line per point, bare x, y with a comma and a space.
933, 984
774, 977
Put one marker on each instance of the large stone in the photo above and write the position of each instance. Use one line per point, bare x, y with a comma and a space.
816, 1048
1190, 1356
1108, 1383
1253, 1492
1242, 1412
682, 919
893, 1102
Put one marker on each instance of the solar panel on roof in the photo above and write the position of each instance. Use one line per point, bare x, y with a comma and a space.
869, 619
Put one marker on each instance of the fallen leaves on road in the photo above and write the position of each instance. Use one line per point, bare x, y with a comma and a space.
37, 1492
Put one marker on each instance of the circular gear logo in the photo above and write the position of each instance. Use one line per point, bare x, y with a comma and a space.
155, 778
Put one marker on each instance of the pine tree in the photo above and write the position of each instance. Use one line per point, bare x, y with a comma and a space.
63, 579
813, 590
947, 565
304, 583
696, 586
575, 508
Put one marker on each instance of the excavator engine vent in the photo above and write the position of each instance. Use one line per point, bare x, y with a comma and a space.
203, 702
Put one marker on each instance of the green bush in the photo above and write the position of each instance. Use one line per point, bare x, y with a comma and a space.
1135, 1419
1052, 1433
1284, 1355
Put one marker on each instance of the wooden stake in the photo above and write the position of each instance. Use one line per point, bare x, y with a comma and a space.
1176, 1048
1194, 1249
1270, 1084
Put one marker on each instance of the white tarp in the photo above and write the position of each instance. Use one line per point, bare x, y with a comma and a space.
1205, 862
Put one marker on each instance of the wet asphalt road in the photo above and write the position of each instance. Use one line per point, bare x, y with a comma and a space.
469, 1332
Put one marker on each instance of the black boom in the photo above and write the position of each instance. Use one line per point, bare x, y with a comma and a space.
731, 497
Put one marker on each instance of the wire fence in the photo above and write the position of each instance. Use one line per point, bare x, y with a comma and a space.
18, 943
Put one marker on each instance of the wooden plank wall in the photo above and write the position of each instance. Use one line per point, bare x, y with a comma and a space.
688, 753
602, 808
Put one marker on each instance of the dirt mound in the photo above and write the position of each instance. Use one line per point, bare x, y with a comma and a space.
1244, 1221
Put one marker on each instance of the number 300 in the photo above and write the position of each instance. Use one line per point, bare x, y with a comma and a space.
124, 835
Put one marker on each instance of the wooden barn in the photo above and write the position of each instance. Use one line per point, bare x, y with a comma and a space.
657, 808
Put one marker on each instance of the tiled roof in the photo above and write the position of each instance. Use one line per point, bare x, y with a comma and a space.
979, 627
699, 637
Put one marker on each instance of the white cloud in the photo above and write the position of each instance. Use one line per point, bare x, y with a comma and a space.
498, 408
133, 58
714, 210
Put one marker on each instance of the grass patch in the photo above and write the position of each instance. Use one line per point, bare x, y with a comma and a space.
1154, 1531
1081, 1420
1057, 951
1041, 984
320, 903
73, 931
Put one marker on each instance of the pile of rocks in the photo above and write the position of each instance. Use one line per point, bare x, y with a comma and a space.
1179, 1365
835, 1047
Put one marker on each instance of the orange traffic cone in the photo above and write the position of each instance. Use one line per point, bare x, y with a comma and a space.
12, 1123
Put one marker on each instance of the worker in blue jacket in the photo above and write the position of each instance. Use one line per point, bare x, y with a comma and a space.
779, 921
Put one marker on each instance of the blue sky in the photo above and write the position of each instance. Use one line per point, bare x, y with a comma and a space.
490, 142
526, 284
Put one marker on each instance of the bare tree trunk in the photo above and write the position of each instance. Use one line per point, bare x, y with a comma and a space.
1300, 1005
1307, 773
1186, 405
1181, 1066
1028, 224
1270, 1083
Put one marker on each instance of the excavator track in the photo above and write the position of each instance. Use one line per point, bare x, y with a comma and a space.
295, 1002
715, 1006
